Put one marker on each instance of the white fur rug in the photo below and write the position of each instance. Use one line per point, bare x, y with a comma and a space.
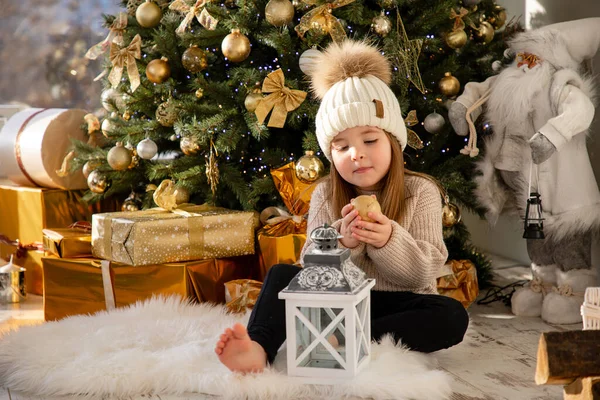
165, 346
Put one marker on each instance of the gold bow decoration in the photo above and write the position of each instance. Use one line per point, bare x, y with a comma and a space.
278, 222
458, 279
198, 10
529, 59
243, 293
115, 35
165, 195
124, 57
322, 15
458, 18
281, 100
567, 291
412, 139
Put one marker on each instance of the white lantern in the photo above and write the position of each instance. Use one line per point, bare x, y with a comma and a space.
328, 314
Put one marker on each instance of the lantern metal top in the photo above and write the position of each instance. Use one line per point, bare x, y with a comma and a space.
327, 269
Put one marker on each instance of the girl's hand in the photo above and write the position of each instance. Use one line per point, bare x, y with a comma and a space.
375, 233
349, 218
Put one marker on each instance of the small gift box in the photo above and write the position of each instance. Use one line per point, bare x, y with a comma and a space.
241, 294
284, 233
159, 236
458, 279
72, 242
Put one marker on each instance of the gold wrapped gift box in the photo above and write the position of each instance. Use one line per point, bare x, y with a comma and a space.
26, 211
68, 243
75, 286
283, 235
458, 280
158, 236
241, 294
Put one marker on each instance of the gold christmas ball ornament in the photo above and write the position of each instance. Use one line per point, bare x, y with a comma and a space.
135, 160
112, 100
449, 85
119, 157
499, 19
182, 195
97, 182
279, 12
131, 203
158, 71
485, 32
382, 25
450, 215
148, 14
194, 59
386, 3
90, 166
434, 123
189, 145
252, 100
147, 149
365, 204
309, 167
126, 115
236, 46
307, 60
167, 113
199, 93
456, 39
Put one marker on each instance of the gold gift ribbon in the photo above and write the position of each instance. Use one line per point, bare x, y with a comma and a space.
278, 222
245, 297
334, 27
125, 56
115, 35
281, 100
194, 228
198, 10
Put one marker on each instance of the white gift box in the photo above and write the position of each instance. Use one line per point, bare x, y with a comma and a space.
33, 144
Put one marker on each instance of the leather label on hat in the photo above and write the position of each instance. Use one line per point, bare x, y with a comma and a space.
378, 108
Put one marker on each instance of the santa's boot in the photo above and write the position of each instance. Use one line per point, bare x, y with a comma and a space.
527, 301
563, 304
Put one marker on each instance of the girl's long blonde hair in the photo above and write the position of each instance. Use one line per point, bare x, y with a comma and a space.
391, 186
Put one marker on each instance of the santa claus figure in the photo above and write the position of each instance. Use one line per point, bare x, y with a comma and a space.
540, 108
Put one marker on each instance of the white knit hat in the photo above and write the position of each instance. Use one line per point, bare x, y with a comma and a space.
351, 79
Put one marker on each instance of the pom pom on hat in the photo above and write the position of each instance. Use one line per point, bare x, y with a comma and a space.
352, 81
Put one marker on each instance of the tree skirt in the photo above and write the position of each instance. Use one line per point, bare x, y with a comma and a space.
164, 346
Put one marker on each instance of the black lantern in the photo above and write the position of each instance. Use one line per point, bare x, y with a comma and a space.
534, 222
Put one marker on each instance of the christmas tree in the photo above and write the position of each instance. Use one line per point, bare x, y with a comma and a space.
212, 95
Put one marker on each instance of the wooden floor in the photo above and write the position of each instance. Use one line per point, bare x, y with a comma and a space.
495, 362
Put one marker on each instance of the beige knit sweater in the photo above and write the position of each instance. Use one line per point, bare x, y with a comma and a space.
415, 252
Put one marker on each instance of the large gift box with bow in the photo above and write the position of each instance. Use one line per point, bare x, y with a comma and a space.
158, 236
25, 212
283, 235
87, 285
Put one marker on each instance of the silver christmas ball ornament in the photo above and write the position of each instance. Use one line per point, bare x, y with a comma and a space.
434, 123
147, 149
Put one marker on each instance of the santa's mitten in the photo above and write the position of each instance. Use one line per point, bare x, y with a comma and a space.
527, 301
563, 304
541, 148
458, 118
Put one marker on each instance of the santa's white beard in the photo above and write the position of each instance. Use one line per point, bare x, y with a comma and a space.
514, 95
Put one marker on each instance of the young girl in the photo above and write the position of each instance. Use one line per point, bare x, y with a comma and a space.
361, 131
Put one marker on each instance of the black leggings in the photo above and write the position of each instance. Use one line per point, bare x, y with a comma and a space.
423, 322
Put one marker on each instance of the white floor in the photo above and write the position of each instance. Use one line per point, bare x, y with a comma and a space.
496, 361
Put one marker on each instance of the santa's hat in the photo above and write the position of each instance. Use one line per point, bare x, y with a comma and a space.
565, 44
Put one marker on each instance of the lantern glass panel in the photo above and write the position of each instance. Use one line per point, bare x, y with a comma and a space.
363, 335
320, 320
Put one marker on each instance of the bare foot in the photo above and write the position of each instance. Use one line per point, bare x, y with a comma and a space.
238, 352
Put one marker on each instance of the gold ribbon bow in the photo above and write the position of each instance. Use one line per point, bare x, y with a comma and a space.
529, 59
115, 35
458, 18
198, 10
121, 57
244, 293
323, 12
281, 100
